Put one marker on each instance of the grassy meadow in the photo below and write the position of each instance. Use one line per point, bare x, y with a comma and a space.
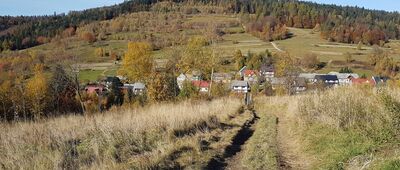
345, 128
175, 135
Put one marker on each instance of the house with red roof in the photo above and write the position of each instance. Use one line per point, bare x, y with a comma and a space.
95, 89
203, 86
362, 81
250, 76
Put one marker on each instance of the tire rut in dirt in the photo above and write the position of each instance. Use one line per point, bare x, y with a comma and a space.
244, 134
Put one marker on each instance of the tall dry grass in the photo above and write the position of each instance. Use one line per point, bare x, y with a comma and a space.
112, 140
374, 112
343, 128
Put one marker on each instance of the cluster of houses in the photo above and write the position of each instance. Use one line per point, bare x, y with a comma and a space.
244, 79
105, 86
299, 82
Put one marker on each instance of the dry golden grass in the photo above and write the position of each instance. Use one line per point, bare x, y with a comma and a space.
129, 138
346, 127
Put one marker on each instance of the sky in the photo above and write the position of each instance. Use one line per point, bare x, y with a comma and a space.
387, 5
48, 7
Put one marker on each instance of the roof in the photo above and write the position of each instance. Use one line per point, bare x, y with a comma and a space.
139, 85
243, 68
239, 83
265, 68
182, 77
196, 73
308, 75
300, 82
278, 81
344, 75
380, 79
201, 84
327, 77
222, 75
250, 72
362, 81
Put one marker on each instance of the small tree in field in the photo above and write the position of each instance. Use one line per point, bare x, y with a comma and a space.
310, 61
240, 60
348, 57
137, 63
359, 46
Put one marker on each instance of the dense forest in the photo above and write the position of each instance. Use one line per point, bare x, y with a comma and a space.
336, 23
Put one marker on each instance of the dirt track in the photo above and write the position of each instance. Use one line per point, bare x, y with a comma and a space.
230, 159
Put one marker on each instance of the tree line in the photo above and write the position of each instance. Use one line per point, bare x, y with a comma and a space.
336, 23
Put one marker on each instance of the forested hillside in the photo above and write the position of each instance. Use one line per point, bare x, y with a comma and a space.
336, 23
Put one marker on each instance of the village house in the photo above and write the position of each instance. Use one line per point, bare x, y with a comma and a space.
327, 80
250, 76
95, 89
267, 72
109, 81
309, 77
202, 86
222, 77
277, 82
240, 86
300, 84
180, 80
195, 76
136, 88
380, 80
344, 78
362, 81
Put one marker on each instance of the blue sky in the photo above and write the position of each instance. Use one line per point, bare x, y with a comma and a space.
387, 5
46, 7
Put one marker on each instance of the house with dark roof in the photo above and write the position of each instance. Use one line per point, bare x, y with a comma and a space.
310, 77
380, 80
110, 81
222, 77
344, 78
267, 72
240, 86
327, 80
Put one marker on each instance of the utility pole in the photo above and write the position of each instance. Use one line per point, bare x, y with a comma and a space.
212, 67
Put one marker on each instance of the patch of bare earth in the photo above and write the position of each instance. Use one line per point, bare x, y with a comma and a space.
290, 147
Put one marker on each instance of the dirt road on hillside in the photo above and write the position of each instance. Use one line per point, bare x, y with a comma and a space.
231, 158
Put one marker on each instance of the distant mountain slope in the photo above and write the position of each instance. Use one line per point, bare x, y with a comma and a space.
336, 23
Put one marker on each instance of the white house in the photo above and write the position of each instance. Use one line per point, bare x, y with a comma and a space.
240, 86
344, 78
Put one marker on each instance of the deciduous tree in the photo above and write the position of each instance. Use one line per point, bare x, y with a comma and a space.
137, 63
37, 92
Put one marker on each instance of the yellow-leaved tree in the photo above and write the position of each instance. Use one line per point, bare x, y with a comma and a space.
197, 57
37, 92
137, 63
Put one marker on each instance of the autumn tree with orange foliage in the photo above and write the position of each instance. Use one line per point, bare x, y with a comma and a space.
88, 37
